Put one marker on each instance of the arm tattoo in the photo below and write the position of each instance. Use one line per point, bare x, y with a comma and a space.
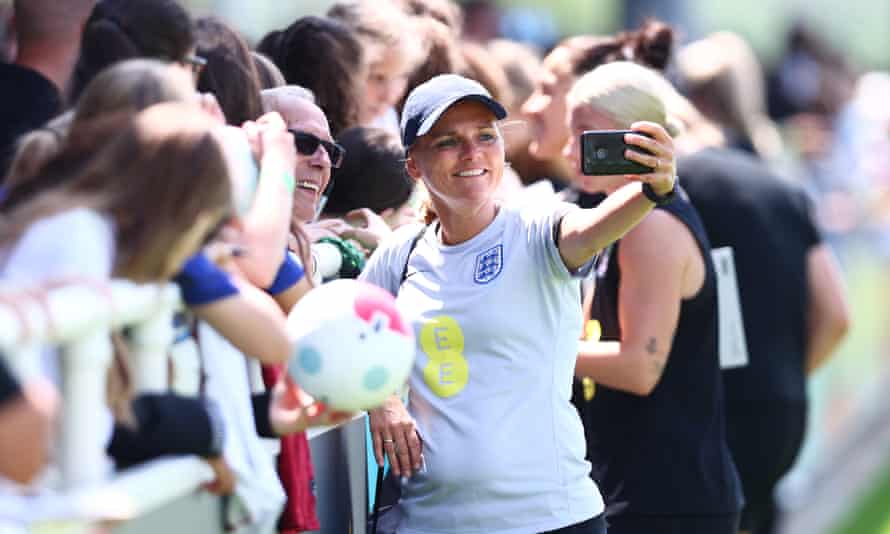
651, 347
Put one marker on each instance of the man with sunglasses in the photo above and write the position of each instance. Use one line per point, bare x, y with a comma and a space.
317, 152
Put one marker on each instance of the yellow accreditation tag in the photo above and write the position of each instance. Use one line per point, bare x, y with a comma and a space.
588, 386
592, 332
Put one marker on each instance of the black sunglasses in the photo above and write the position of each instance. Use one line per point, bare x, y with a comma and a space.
307, 144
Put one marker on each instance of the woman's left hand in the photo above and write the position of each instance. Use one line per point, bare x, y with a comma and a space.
661, 157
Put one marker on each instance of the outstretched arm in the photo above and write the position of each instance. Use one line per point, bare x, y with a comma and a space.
586, 232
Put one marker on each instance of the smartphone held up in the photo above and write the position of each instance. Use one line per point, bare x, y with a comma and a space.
602, 153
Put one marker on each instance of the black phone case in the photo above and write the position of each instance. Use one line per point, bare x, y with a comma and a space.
602, 153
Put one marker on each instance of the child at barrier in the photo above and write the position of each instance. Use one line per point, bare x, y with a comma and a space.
92, 225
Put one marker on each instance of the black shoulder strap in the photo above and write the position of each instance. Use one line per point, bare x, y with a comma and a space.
414, 242
375, 515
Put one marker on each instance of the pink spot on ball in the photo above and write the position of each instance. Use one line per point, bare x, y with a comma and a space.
373, 301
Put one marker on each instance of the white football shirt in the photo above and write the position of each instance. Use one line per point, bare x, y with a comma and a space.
497, 320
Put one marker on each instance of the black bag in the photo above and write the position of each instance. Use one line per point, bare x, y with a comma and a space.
386, 515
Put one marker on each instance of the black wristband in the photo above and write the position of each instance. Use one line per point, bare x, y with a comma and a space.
660, 200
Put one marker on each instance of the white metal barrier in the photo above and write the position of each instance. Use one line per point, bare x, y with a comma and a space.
78, 317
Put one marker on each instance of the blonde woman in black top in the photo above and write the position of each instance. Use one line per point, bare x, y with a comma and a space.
658, 443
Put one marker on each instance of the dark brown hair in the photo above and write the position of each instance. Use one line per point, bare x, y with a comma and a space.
230, 73
651, 45
372, 175
324, 56
127, 29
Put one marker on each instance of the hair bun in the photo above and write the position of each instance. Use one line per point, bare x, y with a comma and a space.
654, 44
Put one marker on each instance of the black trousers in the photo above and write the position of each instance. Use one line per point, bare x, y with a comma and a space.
674, 524
595, 525
765, 439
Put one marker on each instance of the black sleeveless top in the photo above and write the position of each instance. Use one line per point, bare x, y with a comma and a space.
665, 453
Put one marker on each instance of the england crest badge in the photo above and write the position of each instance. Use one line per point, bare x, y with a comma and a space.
489, 265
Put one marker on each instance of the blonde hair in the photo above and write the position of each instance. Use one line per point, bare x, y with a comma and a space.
626, 92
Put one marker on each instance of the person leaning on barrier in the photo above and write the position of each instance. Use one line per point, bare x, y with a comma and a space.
93, 225
128, 87
317, 155
477, 381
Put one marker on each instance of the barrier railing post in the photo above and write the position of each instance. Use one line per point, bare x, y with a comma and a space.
151, 339
186, 367
84, 429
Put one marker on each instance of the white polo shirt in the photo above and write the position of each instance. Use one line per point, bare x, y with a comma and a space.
497, 320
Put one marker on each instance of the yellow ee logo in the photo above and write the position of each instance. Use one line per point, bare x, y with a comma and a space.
447, 372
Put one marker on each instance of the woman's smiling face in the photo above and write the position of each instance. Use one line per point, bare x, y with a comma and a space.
461, 159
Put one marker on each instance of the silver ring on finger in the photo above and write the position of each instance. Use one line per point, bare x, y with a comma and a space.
395, 448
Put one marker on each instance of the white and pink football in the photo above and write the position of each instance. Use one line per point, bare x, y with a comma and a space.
353, 347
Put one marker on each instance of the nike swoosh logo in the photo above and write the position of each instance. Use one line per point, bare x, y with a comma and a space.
412, 273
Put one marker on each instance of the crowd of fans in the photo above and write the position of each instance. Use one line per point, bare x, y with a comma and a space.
138, 142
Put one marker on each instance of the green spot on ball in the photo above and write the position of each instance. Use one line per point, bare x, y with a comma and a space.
375, 378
